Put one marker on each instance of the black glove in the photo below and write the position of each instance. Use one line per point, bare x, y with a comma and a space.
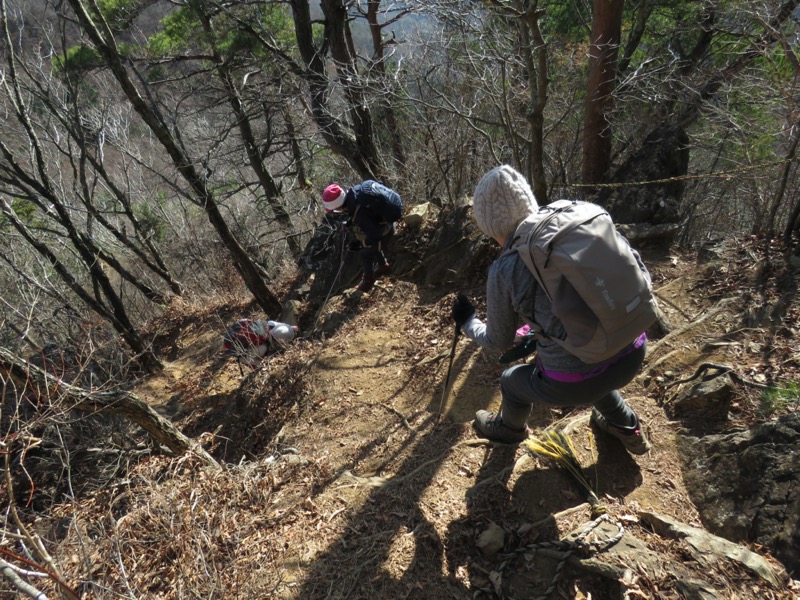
463, 310
524, 348
355, 246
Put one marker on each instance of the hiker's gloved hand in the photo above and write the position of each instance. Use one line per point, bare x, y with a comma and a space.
355, 246
463, 310
524, 348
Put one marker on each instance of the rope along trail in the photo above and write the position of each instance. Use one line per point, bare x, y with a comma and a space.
568, 547
718, 175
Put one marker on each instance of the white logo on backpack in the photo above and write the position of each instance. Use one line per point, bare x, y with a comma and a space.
588, 271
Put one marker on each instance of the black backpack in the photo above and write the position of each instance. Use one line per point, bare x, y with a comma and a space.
379, 200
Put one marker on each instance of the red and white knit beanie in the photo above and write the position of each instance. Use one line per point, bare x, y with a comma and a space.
333, 197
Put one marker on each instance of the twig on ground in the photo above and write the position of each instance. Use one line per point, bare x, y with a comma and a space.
723, 370
17, 581
500, 474
672, 304
392, 409
381, 481
721, 306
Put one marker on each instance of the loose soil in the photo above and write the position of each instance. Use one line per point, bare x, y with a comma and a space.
348, 473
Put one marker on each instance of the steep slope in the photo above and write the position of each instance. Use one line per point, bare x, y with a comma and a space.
348, 473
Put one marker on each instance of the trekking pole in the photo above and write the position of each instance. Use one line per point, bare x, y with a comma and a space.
449, 369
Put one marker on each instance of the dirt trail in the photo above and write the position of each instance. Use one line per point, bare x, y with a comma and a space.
410, 492
385, 498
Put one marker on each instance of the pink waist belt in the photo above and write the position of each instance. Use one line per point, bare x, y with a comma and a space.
564, 377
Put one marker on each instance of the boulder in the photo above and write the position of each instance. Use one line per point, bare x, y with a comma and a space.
662, 157
417, 216
710, 397
745, 485
709, 549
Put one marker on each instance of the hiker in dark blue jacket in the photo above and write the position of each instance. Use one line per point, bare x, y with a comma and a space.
502, 200
373, 210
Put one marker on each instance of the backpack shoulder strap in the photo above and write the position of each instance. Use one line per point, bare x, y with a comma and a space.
520, 245
521, 240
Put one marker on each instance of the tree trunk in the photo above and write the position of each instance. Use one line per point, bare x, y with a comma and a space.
152, 257
297, 155
538, 81
603, 50
104, 291
337, 30
359, 147
387, 110
768, 225
254, 158
98, 31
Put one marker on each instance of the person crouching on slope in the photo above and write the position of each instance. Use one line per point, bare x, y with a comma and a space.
371, 229
249, 340
502, 200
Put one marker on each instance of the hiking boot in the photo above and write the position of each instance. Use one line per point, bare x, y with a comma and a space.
366, 284
491, 425
382, 269
632, 436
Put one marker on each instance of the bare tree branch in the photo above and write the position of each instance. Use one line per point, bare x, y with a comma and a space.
119, 402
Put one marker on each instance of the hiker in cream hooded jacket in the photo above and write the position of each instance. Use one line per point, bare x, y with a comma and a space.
502, 200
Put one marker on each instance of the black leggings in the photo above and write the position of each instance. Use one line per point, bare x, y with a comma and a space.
522, 385
372, 255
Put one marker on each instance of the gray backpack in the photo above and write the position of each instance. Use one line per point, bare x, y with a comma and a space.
600, 289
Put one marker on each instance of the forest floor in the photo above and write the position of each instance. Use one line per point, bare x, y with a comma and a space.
348, 473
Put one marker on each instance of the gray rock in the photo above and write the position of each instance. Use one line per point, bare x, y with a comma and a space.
705, 398
695, 589
491, 541
708, 548
745, 485
418, 215
291, 308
